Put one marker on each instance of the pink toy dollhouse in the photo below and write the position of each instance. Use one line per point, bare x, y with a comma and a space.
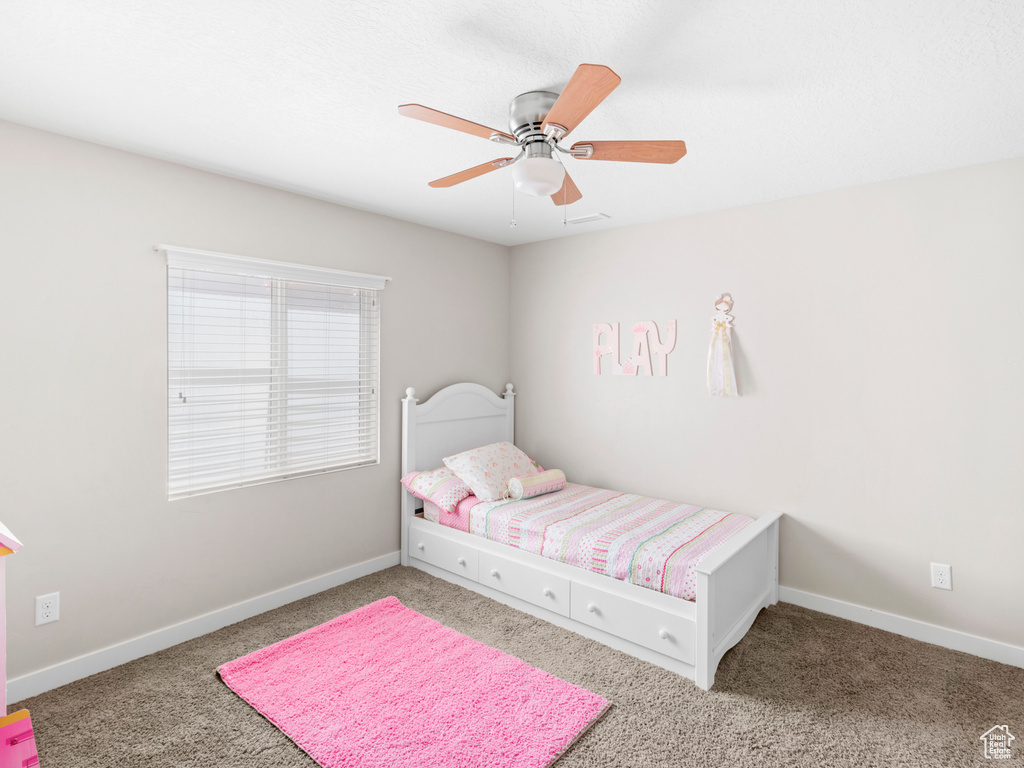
17, 742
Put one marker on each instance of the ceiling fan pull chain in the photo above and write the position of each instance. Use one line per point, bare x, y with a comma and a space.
565, 195
512, 222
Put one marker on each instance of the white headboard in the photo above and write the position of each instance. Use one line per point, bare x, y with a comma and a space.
457, 418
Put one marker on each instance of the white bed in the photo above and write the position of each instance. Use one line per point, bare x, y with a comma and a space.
733, 583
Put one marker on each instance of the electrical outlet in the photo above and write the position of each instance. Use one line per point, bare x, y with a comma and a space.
47, 608
942, 576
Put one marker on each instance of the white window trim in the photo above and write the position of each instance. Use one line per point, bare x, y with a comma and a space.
224, 263
190, 258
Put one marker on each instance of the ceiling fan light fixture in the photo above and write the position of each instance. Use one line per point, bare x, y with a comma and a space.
538, 176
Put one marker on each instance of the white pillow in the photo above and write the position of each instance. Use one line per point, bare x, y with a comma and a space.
487, 470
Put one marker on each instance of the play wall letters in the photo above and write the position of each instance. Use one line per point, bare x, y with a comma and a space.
646, 342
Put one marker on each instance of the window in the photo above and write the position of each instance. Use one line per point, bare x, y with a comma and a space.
272, 370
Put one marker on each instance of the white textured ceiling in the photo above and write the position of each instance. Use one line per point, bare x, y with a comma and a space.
774, 99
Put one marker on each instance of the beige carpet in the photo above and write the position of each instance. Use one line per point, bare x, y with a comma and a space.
802, 689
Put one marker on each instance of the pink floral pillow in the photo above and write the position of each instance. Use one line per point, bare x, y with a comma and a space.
439, 486
488, 469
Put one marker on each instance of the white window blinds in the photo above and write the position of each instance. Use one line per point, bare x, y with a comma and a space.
272, 370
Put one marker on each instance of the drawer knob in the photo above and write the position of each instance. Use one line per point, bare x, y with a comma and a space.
663, 634
548, 592
494, 573
462, 561
420, 546
592, 608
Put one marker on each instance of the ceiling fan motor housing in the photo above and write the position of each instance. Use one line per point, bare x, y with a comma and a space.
527, 113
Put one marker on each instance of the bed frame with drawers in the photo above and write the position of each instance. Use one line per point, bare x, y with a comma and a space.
733, 583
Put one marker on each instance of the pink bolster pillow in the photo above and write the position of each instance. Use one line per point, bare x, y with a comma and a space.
528, 486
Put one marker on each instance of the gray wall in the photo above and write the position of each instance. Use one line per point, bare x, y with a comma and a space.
82, 397
879, 335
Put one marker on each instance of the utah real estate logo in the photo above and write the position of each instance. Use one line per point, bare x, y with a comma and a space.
997, 742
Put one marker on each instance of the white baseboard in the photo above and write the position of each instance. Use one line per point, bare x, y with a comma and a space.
912, 628
77, 668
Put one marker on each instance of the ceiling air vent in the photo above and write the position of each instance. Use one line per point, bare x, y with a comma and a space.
586, 219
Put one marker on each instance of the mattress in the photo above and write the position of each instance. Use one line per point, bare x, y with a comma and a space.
649, 542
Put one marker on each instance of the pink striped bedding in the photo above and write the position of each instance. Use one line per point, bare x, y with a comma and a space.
649, 542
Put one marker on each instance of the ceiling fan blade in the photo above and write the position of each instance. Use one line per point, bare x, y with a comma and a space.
471, 173
633, 151
588, 87
568, 194
428, 115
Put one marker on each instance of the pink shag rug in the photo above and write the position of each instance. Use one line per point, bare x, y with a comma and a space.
386, 686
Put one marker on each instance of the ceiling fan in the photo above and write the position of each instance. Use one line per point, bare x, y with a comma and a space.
538, 121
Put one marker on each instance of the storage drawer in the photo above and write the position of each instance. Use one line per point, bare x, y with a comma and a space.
642, 624
530, 584
444, 553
